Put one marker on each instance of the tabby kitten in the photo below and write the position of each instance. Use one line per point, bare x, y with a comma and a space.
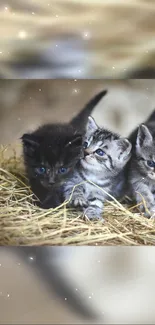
51, 153
141, 168
105, 157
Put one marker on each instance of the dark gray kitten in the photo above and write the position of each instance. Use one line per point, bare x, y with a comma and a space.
105, 157
141, 168
51, 153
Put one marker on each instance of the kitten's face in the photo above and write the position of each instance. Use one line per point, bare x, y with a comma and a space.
52, 158
52, 151
105, 152
145, 152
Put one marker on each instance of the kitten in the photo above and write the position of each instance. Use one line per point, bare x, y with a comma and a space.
141, 167
105, 157
51, 153
150, 122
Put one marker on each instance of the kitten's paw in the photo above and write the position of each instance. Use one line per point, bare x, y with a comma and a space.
93, 214
150, 214
141, 208
79, 201
147, 215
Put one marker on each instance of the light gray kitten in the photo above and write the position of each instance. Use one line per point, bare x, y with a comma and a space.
105, 157
141, 169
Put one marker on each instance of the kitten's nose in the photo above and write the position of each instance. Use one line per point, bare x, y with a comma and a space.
86, 153
51, 181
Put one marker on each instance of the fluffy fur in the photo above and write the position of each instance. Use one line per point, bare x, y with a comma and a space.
105, 157
141, 168
51, 153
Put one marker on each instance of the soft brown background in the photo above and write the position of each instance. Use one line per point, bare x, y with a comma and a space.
29, 302
113, 38
119, 280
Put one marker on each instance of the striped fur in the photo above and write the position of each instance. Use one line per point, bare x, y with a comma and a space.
141, 168
100, 175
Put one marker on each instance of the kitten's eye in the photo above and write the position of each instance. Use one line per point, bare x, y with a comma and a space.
151, 163
40, 170
85, 145
100, 152
62, 170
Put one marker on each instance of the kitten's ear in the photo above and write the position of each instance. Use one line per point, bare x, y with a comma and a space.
29, 142
125, 147
91, 126
144, 137
77, 141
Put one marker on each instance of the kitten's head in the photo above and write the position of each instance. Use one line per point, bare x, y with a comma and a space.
51, 153
145, 152
105, 152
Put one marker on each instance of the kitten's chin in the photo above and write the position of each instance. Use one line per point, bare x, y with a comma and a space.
86, 165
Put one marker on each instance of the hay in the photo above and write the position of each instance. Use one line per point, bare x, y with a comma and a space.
22, 223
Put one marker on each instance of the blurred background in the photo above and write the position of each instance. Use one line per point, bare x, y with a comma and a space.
116, 282
77, 39
26, 104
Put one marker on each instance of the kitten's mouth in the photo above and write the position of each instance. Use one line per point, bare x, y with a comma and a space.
49, 185
85, 161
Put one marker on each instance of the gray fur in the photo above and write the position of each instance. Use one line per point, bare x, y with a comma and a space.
107, 171
141, 177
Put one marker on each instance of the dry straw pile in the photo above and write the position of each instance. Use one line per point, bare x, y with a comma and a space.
22, 223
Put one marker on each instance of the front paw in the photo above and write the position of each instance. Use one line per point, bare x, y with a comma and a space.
93, 214
145, 212
79, 201
150, 214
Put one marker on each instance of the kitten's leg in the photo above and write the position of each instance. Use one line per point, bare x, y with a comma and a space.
145, 194
77, 198
94, 210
